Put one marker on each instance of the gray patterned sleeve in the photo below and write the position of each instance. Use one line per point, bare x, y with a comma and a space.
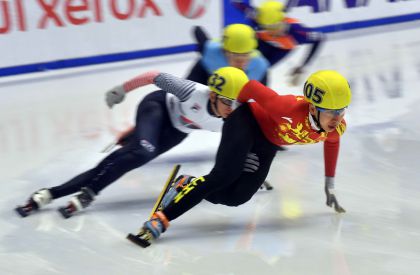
179, 87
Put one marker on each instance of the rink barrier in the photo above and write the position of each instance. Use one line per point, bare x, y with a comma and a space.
125, 56
369, 23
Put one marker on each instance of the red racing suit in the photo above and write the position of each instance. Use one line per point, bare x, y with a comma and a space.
284, 120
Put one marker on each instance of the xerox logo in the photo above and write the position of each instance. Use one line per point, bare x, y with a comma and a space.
191, 8
45, 14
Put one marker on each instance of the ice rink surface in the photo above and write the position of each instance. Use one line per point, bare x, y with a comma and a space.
54, 124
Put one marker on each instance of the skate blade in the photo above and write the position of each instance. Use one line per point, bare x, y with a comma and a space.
139, 241
63, 211
109, 147
21, 212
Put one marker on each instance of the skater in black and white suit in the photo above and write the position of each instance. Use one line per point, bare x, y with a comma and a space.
164, 119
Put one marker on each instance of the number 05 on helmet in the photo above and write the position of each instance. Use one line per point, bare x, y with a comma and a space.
327, 90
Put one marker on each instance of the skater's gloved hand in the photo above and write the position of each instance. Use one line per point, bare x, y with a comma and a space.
124, 137
249, 11
114, 96
330, 193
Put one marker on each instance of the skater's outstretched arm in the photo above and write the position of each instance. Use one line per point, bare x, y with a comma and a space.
181, 88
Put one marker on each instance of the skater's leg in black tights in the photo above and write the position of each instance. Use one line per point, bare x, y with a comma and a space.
152, 124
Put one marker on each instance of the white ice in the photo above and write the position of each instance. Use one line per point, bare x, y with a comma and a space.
54, 124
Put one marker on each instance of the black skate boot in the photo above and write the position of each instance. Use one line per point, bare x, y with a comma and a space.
78, 202
176, 187
37, 200
266, 185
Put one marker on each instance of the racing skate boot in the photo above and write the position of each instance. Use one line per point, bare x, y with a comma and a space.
151, 230
78, 202
266, 185
176, 187
37, 200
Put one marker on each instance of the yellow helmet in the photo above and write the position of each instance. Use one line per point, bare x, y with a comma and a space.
270, 13
227, 82
239, 38
328, 90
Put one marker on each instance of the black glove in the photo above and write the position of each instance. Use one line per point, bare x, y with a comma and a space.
331, 198
249, 11
125, 137
297, 70
296, 76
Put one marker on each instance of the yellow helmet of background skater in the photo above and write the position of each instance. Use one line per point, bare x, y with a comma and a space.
227, 82
239, 38
327, 90
270, 13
